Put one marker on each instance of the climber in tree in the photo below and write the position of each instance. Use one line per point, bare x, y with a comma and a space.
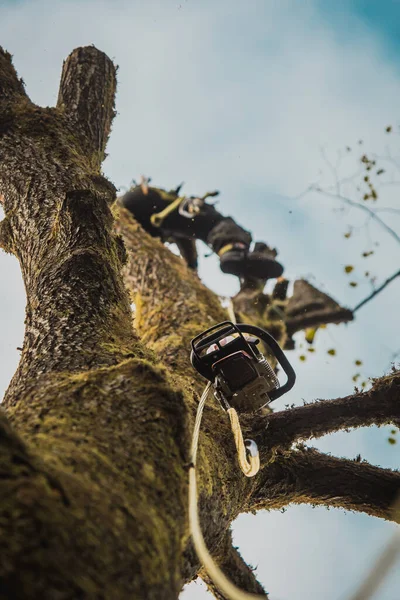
181, 219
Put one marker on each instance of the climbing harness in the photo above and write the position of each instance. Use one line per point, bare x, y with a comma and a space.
187, 207
244, 381
158, 218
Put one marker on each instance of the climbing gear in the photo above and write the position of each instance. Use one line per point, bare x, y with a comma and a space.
190, 207
236, 259
247, 450
227, 355
170, 214
232, 246
158, 218
187, 207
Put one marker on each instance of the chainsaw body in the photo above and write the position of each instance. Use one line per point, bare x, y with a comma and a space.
229, 357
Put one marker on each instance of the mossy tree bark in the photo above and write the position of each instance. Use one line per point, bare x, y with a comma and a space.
96, 425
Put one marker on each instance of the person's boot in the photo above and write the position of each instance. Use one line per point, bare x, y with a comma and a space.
231, 242
237, 259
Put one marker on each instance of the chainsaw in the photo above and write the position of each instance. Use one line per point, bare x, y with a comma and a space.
228, 356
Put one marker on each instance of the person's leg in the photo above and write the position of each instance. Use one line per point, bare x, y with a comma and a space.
188, 251
224, 236
227, 239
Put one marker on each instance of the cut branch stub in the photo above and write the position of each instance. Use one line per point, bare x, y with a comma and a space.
86, 95
309, 307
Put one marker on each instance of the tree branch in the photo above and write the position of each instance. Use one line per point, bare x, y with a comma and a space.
11, 88
234, 567
363, 207
378, 406
86, 96
377, 291
306, 476
317, 318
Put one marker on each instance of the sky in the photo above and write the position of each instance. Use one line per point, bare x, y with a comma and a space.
248, 98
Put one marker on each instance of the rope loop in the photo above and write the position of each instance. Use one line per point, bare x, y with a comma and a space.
249, 462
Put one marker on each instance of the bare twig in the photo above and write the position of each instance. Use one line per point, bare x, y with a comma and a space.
389, 208
380, 570
384, 563
377, 291
362, 207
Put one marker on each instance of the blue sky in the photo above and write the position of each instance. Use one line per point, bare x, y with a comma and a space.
241, 97
381, 18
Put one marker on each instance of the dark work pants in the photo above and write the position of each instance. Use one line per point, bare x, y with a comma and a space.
209, 225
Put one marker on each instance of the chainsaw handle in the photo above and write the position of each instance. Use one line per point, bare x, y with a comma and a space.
217, 331
205, 339
221, 330
278, 352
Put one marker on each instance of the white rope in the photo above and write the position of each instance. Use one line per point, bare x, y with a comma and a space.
231, 311
196, 430
221, 581
249, 465
252, 466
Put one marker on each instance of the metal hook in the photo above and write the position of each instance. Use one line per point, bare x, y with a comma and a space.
251, 448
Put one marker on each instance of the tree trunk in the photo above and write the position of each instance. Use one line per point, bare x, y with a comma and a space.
95, 435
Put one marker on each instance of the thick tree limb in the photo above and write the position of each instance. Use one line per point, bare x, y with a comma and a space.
233, 566
59, 226
306, 476
78, 515
378, 406
250, 299
167, 316
314, 319
86, 96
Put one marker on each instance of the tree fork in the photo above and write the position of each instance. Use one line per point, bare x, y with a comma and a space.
59, 226
98, 414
